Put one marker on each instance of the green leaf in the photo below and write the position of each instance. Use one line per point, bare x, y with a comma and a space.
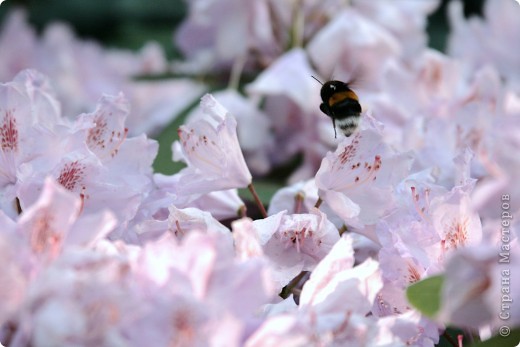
511, 340
425, 295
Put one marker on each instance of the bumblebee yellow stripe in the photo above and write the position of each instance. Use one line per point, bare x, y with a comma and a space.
340, 96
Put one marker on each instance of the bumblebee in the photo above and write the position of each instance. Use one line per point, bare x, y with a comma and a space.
341, 104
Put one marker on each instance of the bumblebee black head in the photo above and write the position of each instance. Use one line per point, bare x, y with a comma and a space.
333, 87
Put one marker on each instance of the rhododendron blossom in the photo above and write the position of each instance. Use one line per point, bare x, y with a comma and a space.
356, 180
295, 243
211, 149
403, 234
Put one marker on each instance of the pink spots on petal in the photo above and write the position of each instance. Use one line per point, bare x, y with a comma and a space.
71, 176
96, 135
362, 173
101, 138
384, 307
9, 132
202, 151
117, 139
349, 152
201, 141
412, 274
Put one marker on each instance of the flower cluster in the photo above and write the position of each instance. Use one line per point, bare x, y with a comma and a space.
100, 250
81, 71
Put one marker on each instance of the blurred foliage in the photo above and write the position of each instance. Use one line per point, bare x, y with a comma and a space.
438, 27
130, 23
116, 23
511, 340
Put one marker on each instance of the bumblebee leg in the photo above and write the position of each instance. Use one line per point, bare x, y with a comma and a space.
334, 126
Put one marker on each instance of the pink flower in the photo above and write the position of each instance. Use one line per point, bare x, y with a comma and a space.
17, 42
216, 33
333, 305
216, 290
253, 128
151, 218
29, 119
247, 242
97, 162
81, 71
211, 149
481, 41
282, 330
299, 197
419, 235
346, 55
296, 242
164, 293
455, 221
48, 229
180, 222
149, 60
408, 329
406, 20
356, 181
66, 303
13, 273
54, 221
474, 281
333, 275
497, 159
157, 103
222, 204
91, 157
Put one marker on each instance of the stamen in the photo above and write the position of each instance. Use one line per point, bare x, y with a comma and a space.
298, 202
415, 199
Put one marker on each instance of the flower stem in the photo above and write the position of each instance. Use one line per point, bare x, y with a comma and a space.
257, 200
318, 203
236, 72
291, 287
242, 211
298, 22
